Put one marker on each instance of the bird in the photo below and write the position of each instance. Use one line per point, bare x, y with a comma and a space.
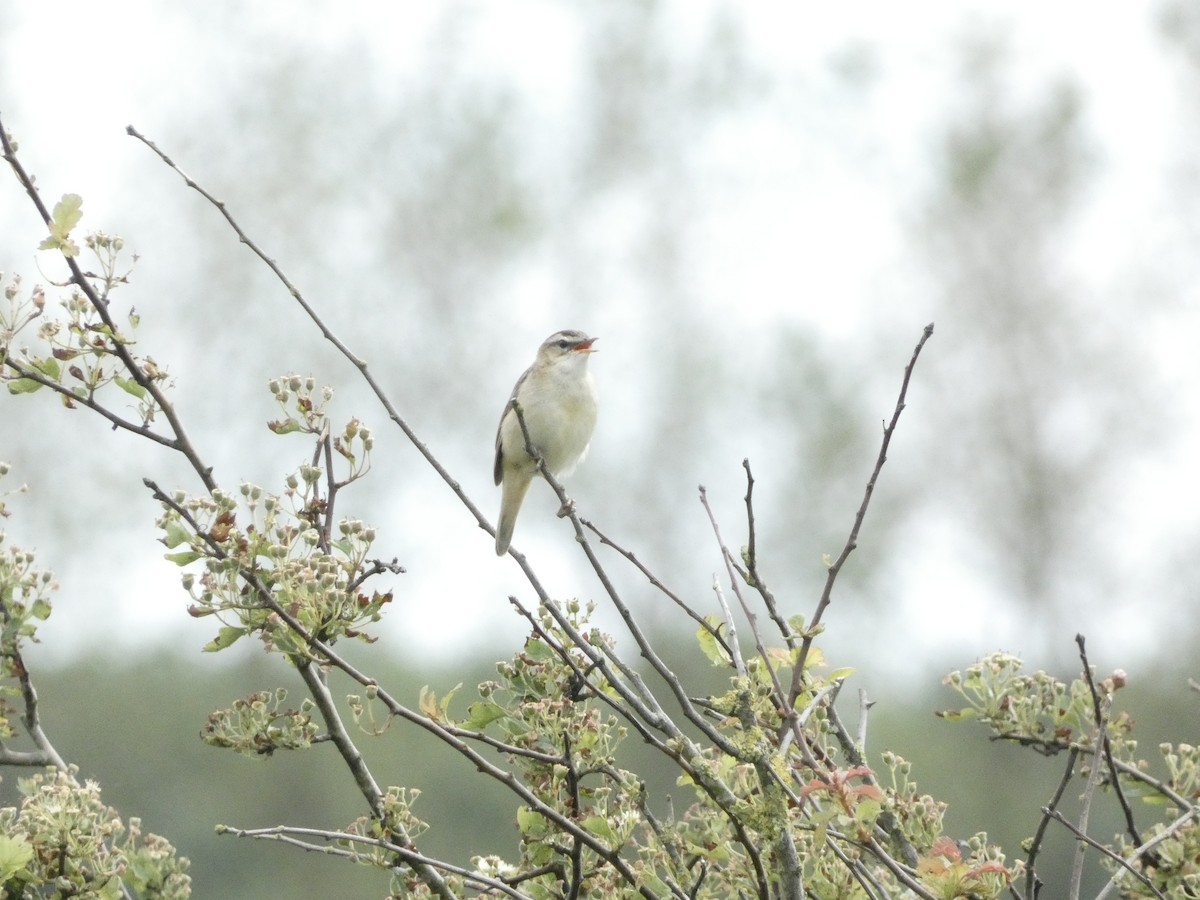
558, 402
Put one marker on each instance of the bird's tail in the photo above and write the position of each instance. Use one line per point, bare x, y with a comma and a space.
511, 495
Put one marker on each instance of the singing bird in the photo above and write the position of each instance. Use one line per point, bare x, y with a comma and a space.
558, 401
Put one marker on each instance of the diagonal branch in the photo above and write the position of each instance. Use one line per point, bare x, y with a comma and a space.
90, 402
811, 630
1097, 712
79, 278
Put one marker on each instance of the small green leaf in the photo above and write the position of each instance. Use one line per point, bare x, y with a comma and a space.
445, 704
598, 825
527, 820
427, 703
48, 367
67, 213
867, 811
838, 674
176, 534
539, 651
15, 855
129, 386
226, 637
182, 559
23, 386
482, 714
287, 426
709, 645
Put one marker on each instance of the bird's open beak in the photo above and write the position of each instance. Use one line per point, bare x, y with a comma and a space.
586, 345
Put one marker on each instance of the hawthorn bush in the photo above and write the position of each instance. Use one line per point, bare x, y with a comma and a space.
786, 799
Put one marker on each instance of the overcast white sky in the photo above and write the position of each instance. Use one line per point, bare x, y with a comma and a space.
77, 73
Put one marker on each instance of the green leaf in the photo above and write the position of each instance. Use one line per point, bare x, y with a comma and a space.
23, 386
709, 645
598, 825
482, 714
176, 534
226, 637
445, 704
528, 821
867, 811
48, 367
287, 426
182, 559
844, 672
539, 651
66, 215
129, 386
427, 703
15, 855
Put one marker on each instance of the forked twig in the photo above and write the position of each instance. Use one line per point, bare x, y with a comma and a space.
1097, 706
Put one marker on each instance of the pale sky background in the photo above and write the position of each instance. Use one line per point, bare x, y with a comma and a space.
75, 74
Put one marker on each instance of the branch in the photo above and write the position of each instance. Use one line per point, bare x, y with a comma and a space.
852, 541
1100, 718
1089, 794
289, 834
328, 655
1032, 883
327, 333
645, 648
89, 401
751, 575
1092, 842
714, 633
1144, 849
751, 618
79, 278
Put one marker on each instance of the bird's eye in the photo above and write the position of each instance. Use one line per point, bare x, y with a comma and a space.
563, 345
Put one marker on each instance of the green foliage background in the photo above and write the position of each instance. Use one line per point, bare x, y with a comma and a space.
134, 726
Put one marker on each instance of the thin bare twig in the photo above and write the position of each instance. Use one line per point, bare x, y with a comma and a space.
752, 576
1126, 809
607, 541
1085, 840
319, 691
359, 363
751, 618
739, 664
1089, 795
1032, 883
293, 835
810, 630
1141, 851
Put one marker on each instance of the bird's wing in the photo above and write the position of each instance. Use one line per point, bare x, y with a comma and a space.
498, 465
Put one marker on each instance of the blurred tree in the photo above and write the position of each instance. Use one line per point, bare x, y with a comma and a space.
1041, 402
